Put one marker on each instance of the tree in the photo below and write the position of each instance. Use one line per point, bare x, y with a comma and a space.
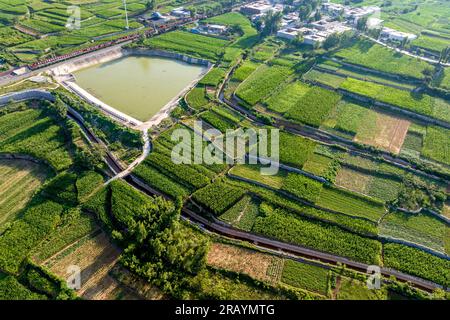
298, 39
332, 41
404, 42
361, 24
304, 12
150, 5
317, 16
272, 22
445, 55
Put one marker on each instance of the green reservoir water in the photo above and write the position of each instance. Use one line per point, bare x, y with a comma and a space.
138, 86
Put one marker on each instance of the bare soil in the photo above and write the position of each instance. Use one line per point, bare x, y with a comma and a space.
242, 260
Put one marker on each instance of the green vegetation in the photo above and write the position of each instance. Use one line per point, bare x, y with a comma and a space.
242, 215
19, 181
349, 117
245, 70
436, 144
291, 94
313, 108
325, 78
418, 228
261, 83
347, 202
283, 225
196, 98
417, 262
420, 103
374, 56
302, 187
189, 43
305, 276
12, 289
295, 150
32, 132
213, 78
218, 196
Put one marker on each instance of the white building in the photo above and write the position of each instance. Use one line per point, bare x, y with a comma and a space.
332, 9
181, 12
315, 33
394, 35
354, 14
258, 7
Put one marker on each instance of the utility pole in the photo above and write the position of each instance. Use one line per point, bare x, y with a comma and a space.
126, 14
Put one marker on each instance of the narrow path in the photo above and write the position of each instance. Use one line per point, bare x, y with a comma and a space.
405, 52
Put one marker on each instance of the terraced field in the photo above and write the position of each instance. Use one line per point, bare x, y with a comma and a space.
19, 180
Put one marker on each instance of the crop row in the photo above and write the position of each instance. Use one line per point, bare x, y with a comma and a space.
193, 44
261, 83
280, 224
218, 196
417, 262
374, 56
31, 132
314, 107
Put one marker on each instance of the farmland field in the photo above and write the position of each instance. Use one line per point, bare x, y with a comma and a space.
314, 107
261, 83
374, 56
437, 144
189, 43
421, 228
305, 276
385, 132
19, 179
96, 257
364, 153
242, 260
287, 96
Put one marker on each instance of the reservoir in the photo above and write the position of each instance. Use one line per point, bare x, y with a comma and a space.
138, 86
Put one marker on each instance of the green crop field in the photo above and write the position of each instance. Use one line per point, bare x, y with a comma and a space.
19, 181
314, 107
351, 204
31, 132
287, 96
261, 83
436, 144
430, 43
295, 150
420, 103
243, 214
288, 227
417, 262
305, 276
421, 229
245, 70
189, 43
374, 56
340, 111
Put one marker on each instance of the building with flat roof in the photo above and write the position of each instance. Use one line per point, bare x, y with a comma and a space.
180, 12
258, 7
315, 32
394, 35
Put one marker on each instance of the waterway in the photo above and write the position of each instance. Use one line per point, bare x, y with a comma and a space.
138, 86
